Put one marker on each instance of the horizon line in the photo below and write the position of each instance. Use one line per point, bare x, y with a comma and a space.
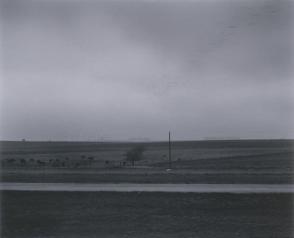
146, 141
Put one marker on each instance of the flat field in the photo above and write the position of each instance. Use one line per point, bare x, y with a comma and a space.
111, 215
154, 214
142, 176
243, 161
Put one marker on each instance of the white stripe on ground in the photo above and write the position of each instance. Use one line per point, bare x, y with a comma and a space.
128, 187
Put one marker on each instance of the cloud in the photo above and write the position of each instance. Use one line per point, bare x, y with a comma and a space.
78, 70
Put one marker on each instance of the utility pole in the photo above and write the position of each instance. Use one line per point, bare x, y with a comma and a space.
169, 150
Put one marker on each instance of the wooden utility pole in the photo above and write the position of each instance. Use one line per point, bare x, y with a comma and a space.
169, 150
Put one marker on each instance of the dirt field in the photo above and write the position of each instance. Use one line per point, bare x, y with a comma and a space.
111, 215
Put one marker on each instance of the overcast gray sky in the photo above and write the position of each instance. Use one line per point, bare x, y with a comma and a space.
87, 70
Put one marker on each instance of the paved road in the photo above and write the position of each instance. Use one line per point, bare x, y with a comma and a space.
128, 187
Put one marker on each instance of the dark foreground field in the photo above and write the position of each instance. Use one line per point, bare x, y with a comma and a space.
110, 214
